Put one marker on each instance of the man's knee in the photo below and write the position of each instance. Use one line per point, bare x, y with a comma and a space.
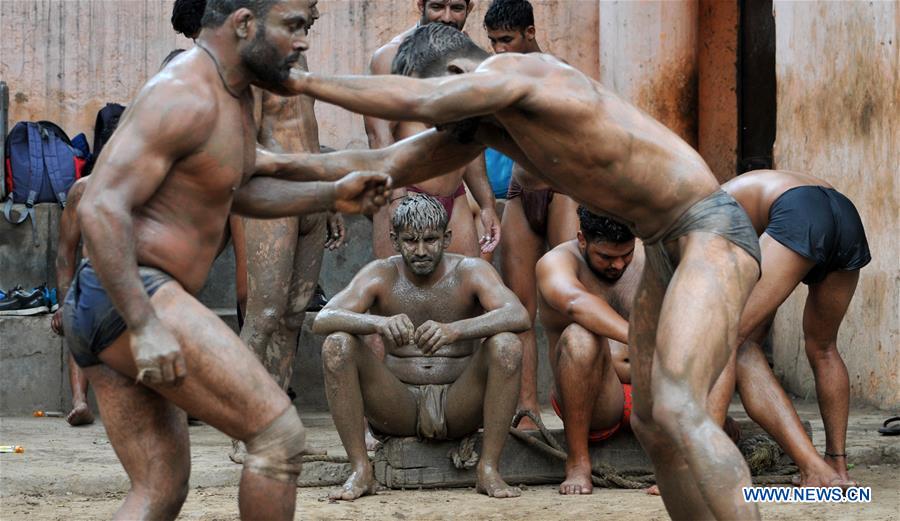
276, 451
505, 352
675, 410
267, 321
338, 351
165, 493
582, 347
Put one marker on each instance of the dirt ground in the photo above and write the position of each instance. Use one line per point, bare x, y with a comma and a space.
536, 503
69, 473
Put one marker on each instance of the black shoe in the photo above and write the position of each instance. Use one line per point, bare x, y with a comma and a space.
318, 300
20, 302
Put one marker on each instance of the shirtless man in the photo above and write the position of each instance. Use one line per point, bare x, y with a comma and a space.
149, 348
66, 257
702, 257
278, 258
452, 362
809, 233
536, 218
586, 289
448, 188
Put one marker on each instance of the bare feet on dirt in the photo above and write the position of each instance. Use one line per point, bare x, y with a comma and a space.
578, 480
652, 490
80, 415
360, 483
238, 451
839, 464
491, 484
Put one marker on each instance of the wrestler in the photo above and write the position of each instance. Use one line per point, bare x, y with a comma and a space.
449, 188
148, 347
452, 359
66, 260
586, 288
702, 256
810, 233
536, 218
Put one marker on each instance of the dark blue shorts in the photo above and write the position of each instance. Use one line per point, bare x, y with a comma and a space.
822, 225
90, 321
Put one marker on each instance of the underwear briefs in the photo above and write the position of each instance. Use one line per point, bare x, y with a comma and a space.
595, 436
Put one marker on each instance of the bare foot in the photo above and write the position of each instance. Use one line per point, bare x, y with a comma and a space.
80, 415
360, 483
578, 480
653, 490
491, 484
312, 450
238, 451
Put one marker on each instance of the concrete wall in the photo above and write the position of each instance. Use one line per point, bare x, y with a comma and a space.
838, 71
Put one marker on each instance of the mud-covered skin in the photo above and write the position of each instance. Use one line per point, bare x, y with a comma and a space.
445, 320
382, 133
762, 394
191, 134
583, 140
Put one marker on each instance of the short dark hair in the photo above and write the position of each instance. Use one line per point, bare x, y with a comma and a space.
217, 11
186, 16
430, 47
510, 15
597, 228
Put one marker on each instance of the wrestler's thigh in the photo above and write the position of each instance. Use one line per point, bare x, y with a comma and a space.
782, 270
562, 220
148, 433
270, 261
389, 405
521, 248
826, 305
642, 339
701, 311
610, 401
226, 385
465, 238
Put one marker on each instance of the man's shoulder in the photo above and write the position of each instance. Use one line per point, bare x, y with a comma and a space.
562, 255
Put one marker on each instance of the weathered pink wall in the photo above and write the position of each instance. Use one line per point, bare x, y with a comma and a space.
717, 103
838, 72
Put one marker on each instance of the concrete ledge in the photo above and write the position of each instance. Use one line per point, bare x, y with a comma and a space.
31, 365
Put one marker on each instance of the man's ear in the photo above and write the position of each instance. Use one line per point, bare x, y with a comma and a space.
394, 241
243, 22
582, 242
458, 66
469, 7
420, 5
448, 236
530, 32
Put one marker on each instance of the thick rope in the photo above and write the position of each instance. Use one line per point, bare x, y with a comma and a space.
464, 455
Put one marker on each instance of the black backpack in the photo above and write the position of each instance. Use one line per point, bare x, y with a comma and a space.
107, 121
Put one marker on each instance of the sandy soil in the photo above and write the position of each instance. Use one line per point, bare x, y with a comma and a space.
536, 503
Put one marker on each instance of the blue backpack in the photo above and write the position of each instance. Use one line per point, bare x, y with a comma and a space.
41, 166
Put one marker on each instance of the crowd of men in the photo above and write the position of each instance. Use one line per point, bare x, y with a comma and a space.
655, 284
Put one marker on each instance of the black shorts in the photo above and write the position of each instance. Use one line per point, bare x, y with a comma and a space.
90, 321
822, 225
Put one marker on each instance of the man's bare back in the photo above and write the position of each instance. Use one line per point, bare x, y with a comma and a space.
757, 192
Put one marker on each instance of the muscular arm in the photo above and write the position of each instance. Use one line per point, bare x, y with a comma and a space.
168, 120
558, 283
434, 101
271, 198
414, 159
69, 237
503, 311
380, 131
346, 311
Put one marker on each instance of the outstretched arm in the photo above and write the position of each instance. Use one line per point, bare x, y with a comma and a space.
271, 198
559, 286
434, 101
425, 155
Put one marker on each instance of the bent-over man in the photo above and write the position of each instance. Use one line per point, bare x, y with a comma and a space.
452, 358
810, 233
702, 255
149, 348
